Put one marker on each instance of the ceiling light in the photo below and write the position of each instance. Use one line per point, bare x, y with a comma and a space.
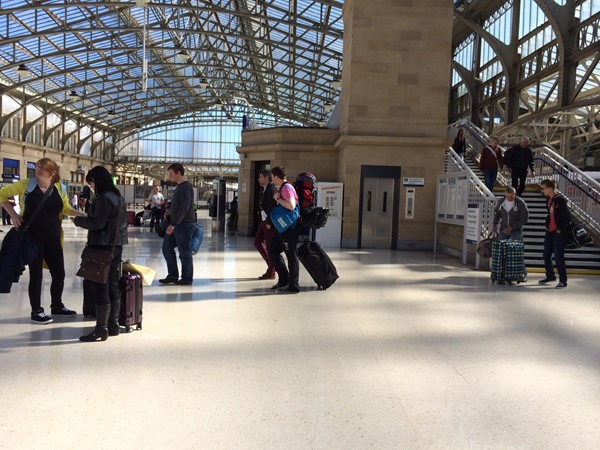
336, 83
182, 55
229, 119
23, 71
322, 123
142, 2
203, 83
73, 94
220, 104
111, 113
327, 107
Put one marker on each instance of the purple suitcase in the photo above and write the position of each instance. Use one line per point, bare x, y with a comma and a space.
132, 301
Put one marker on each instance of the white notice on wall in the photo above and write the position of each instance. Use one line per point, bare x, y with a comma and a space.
473, 224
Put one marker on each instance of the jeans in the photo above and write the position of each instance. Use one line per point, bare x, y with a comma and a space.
49, 250
518, 178
555, 243
155, 215
286, 242
264, 236
107, 294
489, 178
182, 239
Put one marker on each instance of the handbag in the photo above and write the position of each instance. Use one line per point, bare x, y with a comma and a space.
161, 228
578, 237
197, 238
95, 264
96, 261
284, 218
484, 247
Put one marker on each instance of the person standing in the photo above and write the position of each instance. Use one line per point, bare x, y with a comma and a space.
287, 241
490, 161
558, 224
107, 225
511, 214
86, 197
47, 232
5, 215
179, 232
156, 201
517, 159
460, 144
266, 230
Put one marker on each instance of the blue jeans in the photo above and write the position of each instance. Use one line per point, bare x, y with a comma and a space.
182, 239
489, 178
555, 243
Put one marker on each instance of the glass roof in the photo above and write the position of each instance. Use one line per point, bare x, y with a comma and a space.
274, 56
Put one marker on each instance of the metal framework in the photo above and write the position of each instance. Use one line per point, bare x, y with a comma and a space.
116, 66
530, 67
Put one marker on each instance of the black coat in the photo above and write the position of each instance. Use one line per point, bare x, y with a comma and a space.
562, 216
519, 158
267, 202
106, 212
18, 250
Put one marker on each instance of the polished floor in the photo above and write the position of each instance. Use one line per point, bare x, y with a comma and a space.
406, 351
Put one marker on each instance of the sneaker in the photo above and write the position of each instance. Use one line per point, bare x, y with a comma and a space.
63, 312
41, 317
278, 286
546, 280
560, 285
168, 280
288, 290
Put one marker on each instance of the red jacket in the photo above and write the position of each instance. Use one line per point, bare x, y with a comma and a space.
487, 160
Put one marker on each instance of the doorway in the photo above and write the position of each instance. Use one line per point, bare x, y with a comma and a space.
379, 207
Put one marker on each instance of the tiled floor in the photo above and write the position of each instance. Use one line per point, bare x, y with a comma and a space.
405, 351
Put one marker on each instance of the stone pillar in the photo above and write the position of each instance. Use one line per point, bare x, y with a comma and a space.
394, 104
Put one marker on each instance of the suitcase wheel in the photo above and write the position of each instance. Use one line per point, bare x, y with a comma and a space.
128, 329
139, 326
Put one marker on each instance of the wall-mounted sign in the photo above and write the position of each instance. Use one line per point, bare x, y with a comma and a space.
409, 181
473, 223
31, 165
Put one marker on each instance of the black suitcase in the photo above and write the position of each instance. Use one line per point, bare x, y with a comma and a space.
318, 264
132, 301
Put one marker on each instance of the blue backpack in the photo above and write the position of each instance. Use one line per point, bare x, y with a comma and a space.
33, 183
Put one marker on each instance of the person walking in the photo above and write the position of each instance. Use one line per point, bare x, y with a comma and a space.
287, 241
179, 232
511, 213
460, 144
517, 159
558, 223
266, 230
47, 232
490, 161
107, 229
157, 202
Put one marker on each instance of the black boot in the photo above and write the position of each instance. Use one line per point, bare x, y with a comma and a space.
113, 319
101, 331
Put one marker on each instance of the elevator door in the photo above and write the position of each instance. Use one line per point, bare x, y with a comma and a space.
377, 212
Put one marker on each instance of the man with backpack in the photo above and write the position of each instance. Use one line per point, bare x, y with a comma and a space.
287, 240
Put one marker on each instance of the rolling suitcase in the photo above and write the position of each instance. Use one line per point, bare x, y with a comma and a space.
318, 264
131, 218
508, 261
132, 301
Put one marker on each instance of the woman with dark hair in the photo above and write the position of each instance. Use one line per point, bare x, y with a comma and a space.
46, 192
460, 145
107, 225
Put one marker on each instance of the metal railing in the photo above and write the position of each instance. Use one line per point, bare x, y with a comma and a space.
582, 191
458, 190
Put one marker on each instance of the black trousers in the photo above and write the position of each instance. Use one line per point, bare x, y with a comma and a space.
106, 294
49, 250
518, 178
286, 242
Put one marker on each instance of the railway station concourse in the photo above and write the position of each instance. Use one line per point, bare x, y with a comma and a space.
413, 347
